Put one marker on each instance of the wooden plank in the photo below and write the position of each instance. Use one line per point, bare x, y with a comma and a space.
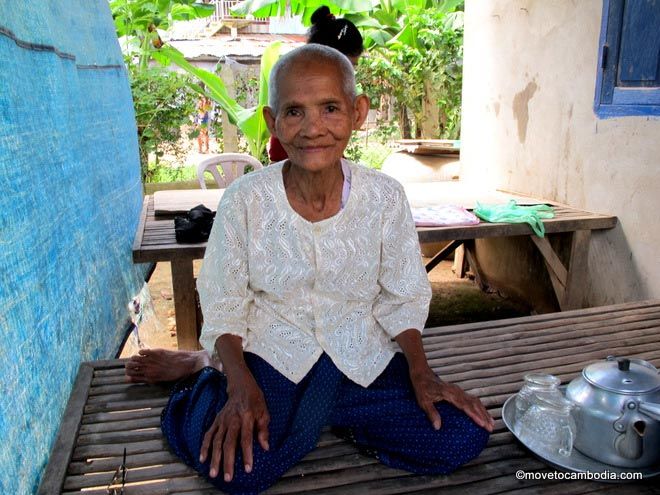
531, 335
180, 201
101, 480
637, 307
441, 255
131, 424
92, 451
136, 391
128, 405
60, 454
485, 230
183, 285
576, 282
139, 234
112, 437
471, 257
512, 356
130, 415
552, 261
460, 264
159, 486
381, 480
169, 252
132, 461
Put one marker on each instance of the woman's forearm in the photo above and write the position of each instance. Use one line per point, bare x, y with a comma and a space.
230, 351
410, 342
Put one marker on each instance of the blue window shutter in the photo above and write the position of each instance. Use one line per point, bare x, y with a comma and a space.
639, 59
628, 80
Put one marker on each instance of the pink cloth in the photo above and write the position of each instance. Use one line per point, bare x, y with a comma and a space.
443, 216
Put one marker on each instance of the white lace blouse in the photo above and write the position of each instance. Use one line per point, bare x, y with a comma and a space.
293, 289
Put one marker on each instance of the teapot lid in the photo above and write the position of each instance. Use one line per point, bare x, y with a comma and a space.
623, 375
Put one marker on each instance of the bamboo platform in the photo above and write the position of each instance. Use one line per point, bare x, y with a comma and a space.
106, 415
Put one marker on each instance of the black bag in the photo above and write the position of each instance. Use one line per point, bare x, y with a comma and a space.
195, 226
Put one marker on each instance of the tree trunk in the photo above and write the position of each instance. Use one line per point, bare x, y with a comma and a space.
229, 131
430, 124
384, 108
404, 123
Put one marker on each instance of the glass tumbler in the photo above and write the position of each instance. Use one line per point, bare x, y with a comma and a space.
535, 385
548, 426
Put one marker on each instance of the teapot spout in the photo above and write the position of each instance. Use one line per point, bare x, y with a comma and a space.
630, 444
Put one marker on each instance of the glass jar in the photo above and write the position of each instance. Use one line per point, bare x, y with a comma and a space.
536, 385
548, 426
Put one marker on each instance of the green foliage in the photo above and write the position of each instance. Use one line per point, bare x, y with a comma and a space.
385, 131
137, 22
303, 8
163, 100
353, 150
414, 51
371, 149
163, 103
249, 120
375, 154
157, 173
431, 68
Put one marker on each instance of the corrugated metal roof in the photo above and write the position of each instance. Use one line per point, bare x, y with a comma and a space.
247, 45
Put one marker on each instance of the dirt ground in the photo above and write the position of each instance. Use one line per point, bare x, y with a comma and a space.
454, 301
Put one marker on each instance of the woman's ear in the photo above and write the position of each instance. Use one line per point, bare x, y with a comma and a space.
269, 117
360, 111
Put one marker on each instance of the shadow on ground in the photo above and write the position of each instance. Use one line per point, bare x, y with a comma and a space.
456, 301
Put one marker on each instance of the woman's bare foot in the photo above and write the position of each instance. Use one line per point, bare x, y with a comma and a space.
163, 365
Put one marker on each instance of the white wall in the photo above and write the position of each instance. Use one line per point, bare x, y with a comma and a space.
529, 126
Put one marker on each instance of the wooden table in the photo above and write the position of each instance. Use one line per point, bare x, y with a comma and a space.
155, 241
106, 415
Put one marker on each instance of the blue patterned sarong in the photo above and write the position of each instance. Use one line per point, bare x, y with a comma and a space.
383, 418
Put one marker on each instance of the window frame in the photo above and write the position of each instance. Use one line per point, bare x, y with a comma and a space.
612, 100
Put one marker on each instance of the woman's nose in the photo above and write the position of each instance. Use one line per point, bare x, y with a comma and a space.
313, 125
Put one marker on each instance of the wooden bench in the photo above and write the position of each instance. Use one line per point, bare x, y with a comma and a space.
106, 415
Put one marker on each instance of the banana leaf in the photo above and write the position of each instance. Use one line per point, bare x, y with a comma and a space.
304, 8
249, 120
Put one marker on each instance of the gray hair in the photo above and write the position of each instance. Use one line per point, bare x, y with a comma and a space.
311, 53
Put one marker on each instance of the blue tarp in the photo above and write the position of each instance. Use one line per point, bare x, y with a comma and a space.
70, 196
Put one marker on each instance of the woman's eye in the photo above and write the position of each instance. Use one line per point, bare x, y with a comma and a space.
292, 112
332, 108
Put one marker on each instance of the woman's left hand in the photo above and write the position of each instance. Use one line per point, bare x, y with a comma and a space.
429, 389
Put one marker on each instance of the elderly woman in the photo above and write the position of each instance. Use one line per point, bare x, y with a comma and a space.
312, 268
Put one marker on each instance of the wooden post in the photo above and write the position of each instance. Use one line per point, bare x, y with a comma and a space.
576, 281
460, 263
183, 286
556, 269
471, 256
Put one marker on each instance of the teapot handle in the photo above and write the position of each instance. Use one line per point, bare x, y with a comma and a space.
650, 409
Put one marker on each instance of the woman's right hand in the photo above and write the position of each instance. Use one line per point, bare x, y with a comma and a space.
244, 411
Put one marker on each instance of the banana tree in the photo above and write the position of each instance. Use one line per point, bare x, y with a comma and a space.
137, 22
303, 8
389, 21
249, 120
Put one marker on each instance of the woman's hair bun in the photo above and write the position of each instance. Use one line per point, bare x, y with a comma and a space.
321, 15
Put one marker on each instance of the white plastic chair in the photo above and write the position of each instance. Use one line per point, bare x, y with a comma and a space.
232, 166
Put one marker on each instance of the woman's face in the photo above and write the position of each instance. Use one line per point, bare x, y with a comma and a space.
315, 118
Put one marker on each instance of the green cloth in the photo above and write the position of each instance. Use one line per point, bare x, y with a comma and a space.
513, 213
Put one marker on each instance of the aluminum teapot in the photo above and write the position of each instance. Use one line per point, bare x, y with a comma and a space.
618, 412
